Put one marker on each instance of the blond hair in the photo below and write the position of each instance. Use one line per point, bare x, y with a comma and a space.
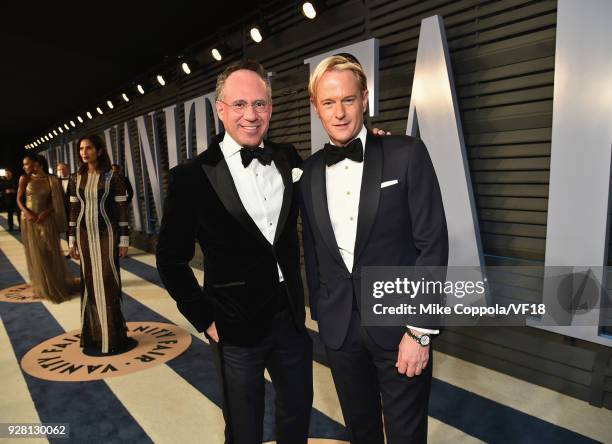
337, 63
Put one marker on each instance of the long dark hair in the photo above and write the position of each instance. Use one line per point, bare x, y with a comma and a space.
103, 163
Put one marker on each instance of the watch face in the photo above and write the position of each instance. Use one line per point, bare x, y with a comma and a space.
424, 340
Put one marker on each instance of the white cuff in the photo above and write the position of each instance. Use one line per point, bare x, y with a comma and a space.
124, 241
424, 330
71, 241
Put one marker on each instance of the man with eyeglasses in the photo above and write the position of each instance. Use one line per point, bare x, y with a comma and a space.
236, 199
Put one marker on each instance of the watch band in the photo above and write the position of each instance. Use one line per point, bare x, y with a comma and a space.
423, 340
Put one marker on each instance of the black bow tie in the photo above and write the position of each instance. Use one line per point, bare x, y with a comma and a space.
334, 154
264, 155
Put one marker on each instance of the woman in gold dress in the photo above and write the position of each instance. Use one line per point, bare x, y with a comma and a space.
98, 236
42, 220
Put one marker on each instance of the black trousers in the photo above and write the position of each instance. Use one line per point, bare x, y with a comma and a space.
12, 209
365, 375
286, 352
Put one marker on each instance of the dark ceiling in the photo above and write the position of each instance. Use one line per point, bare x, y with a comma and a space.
60, 57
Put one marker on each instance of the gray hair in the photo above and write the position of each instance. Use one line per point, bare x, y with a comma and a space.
249, 65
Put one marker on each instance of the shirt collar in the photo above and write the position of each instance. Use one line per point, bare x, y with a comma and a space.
229, 146
362, 136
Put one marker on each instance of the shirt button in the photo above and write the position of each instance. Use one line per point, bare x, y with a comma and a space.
351, 218
348, 193
271, 223
346, 167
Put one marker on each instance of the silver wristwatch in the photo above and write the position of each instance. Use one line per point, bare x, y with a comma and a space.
422, 340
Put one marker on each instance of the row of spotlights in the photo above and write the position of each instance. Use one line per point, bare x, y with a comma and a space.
308, 9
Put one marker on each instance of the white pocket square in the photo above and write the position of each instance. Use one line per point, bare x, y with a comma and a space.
296, 173
388, 183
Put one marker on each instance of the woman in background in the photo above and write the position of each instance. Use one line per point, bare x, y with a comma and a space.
42, 221
98, 235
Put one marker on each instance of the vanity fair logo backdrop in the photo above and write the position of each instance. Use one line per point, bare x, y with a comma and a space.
577, 222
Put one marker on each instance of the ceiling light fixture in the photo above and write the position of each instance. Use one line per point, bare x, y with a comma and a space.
256, 34
309, 10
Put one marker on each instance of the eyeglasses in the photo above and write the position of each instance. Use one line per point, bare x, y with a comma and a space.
259, 106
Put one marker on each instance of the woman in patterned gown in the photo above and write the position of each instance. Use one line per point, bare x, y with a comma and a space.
98, 236
42, 221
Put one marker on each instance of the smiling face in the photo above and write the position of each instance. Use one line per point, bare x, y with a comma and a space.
244, 87
340, 104
88, 152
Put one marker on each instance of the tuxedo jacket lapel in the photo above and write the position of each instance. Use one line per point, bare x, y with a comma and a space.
321, 211
370, 192
284, 168
219, 176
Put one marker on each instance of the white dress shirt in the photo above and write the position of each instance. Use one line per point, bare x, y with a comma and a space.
343, 181
260, 189
64, 181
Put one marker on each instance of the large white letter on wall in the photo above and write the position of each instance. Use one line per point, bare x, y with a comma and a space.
150, 154
367, 54
195, 109
435, 113
130, 171
172, 136
73, 165
577, 225
111, 147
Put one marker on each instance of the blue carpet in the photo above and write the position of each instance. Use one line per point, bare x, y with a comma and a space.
90, 408
475, 415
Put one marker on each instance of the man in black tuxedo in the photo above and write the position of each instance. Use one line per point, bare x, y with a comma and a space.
8, 187
236, 199
63, 173
368, 200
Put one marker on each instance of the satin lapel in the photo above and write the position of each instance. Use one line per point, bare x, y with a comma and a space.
219, 176
321, 212
284, 168
370, 192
